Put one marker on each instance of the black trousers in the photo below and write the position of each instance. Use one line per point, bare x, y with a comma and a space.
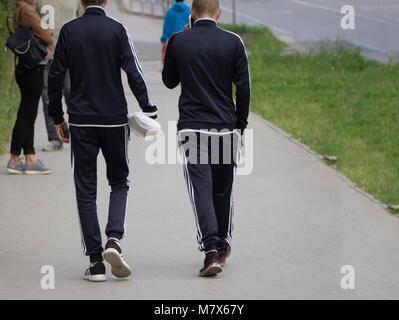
86, 142
210, 162
30, 83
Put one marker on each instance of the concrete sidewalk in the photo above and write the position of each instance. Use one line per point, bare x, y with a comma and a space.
297, 223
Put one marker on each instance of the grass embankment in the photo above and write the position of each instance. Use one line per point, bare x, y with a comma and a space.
9, 93
338, 103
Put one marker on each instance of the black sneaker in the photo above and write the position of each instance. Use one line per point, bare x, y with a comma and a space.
224, 253
212, 265
113, 255
96, 272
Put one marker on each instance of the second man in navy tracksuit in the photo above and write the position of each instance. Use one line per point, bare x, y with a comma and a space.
95, 48
206, 60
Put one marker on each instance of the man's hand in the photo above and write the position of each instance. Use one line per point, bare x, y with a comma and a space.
63, 132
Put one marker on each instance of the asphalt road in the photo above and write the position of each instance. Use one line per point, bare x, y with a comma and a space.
376, 21
304, 22
297, 223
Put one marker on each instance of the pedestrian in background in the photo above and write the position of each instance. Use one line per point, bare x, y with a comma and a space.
56, 13
206, 60
175, 20
30, 83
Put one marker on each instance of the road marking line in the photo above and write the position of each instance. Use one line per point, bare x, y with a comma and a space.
318, 6
244, 15
253, 19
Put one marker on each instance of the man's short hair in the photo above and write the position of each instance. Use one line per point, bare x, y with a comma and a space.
206, 7
93, 2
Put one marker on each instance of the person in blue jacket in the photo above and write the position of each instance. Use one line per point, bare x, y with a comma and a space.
175, 20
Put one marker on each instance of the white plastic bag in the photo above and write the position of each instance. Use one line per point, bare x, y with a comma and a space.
143, 125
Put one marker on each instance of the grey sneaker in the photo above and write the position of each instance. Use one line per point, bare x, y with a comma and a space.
15, 168
37, 168
54, 145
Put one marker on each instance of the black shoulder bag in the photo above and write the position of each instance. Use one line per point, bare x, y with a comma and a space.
24, 44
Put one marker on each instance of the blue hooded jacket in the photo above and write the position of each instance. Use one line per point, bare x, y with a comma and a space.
175, 20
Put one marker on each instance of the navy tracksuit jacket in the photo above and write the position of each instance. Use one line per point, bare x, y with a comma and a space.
95, 48
206, 61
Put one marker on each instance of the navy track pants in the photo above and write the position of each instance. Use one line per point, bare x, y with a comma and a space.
86, 142
210, 162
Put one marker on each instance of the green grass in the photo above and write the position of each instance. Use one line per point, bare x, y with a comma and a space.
338, 103
9, 93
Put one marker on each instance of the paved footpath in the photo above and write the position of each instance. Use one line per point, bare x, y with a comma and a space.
297, 223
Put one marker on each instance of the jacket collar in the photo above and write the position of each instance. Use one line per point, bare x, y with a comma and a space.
95, 10
205, 22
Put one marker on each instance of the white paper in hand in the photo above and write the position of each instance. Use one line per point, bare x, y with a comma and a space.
142, 125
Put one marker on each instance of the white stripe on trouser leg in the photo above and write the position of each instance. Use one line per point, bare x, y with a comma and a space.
192, 199
128, 182
190, 188
231, 214
194, 205
84, 248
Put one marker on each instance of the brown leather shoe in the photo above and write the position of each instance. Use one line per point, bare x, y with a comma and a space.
212, 265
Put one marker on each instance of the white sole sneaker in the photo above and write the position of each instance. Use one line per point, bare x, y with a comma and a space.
37, 173
211, 271
119, 267
96, 278
12, 171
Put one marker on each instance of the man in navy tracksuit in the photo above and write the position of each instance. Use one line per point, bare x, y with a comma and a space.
95, 48
206, 61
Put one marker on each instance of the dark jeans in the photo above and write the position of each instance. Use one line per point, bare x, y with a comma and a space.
51, 131
30, 83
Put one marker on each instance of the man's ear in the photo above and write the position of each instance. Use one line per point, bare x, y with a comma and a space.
218, 14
